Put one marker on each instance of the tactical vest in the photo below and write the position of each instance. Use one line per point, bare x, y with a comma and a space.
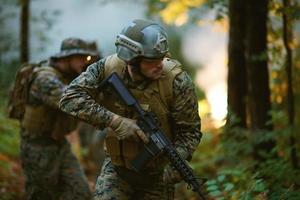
156, 98
42, 119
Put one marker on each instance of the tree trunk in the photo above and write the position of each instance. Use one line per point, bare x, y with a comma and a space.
257, 70
257, 63
24, 31
287, 39
237, 79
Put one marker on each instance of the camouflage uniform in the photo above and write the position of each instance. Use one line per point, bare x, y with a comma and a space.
92, 139
119, 182
51, 170
112, 184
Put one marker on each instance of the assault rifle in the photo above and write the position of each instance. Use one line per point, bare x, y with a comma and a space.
158, 142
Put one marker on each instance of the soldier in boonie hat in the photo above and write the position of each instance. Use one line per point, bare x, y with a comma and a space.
47, 159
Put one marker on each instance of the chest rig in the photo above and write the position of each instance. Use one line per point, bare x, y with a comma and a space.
156, 97
42, 119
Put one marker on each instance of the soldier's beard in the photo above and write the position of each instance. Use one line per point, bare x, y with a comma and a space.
67, 71
136, 73
70, 73
73, 74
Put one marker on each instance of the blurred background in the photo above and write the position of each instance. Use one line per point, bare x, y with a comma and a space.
244, 59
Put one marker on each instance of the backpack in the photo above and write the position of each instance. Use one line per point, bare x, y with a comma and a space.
18, 94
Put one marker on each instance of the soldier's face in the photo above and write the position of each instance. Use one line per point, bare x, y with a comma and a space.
78, 63
151, 68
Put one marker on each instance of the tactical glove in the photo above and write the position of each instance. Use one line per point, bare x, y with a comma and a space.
125, 128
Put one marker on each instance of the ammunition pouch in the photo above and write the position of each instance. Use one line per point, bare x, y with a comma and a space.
41, 120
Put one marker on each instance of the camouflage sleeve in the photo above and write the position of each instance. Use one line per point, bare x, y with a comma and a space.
185, 115
79, 97
48, 89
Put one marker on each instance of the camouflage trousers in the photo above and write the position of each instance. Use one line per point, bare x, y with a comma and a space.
51, 170
115, 184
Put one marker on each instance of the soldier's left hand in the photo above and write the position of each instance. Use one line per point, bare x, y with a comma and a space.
171, 175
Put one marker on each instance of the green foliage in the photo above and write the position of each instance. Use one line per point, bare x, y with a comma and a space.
9, 137
9, 134
11, 183
242, 177
292, 11
7, 74
227, 160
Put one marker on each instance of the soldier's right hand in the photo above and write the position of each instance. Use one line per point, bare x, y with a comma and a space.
125, 128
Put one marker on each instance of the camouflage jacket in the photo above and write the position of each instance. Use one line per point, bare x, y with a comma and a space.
47, 89
79, 101
42, 112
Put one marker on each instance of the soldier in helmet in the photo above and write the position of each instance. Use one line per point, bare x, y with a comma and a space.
51, 170
161, 86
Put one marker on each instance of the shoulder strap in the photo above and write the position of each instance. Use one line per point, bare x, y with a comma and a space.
171, 69
18, 94
114, 64
46, 70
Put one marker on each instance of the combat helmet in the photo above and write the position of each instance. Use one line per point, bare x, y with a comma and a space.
74, 46
142, 38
